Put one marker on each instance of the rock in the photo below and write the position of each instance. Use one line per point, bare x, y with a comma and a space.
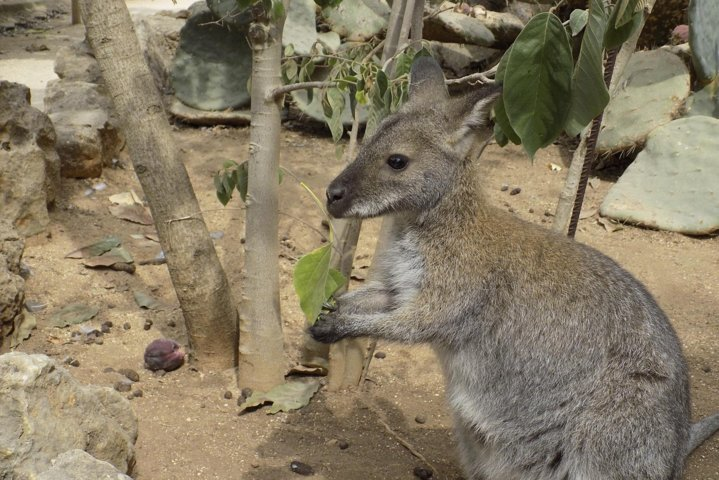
29, 165
673, 183
301, 468
77, 63
358, 21
473, 25
47, 412
12, 285
79, 465
212, 64
702, 103
194, 116
525, 10
300, 27
230, 13
87, 133
159, 36
461, 59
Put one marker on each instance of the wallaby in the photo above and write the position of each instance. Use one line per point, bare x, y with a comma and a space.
559, 364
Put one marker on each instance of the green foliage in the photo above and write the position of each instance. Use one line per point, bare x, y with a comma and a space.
538, 82
625, 18
232, 176
703, 37
589, 92
315, 282
578, 20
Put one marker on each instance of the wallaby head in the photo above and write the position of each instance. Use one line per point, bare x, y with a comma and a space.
416, 153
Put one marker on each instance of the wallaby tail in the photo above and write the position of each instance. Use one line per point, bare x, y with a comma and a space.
700, 431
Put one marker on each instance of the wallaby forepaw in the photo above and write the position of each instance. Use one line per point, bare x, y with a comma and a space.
325, 329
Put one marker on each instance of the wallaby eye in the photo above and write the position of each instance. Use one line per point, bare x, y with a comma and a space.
397, 161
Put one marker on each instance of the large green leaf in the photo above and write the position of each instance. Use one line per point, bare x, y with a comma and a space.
285, 397
578, 20
703, 37
538, 82
589, 93
311, 278
618, 31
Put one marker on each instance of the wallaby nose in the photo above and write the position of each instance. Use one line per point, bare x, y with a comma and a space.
335, 193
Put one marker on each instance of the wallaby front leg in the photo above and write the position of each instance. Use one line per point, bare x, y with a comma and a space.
372, 298
406, 324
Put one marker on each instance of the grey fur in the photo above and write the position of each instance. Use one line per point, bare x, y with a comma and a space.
559, 364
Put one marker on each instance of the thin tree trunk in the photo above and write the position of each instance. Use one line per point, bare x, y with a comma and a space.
262, 358
75, 15
195, 270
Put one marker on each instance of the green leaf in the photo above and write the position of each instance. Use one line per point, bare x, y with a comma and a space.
538, 82
578, 20
241, 179
499, 136
310, 280
625, 12
290, 70
333, 106
703, 39
289, 50
403, 63
72, 314
615, 36
222, 195
382, 82
589, 93
500, 118
288, 396
278, 10
335, 281
95, 249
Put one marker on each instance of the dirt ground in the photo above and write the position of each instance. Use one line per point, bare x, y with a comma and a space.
188, 429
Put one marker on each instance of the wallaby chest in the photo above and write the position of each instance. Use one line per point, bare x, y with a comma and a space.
403, 265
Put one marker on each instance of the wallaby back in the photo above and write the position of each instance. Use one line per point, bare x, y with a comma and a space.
559, 364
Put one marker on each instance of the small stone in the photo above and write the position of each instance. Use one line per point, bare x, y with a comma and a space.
515, 191
301, 468
228, 395
171, 323
246, 392
380, 355
547, 213
126, 326
531, 210
421, 419
510, 210
706, 369
99, 341
130, 374
255, 465
74, 362
123, 386
108, 370
343, 444
422, 473
147, 325
504, 187
105, 327
137, 393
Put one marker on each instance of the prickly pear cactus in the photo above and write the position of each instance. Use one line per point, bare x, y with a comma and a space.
704, 103
652, 92
673, 184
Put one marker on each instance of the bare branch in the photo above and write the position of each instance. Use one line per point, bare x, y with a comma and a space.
278, 92
483, 78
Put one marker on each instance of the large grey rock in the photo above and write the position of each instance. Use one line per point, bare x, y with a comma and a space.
463, 59
29, 164
12, 285
44, 412
358, 20
673, 184
80, 465
87, 132
76, 62
159, 36
229, 13
212, 65
301, 26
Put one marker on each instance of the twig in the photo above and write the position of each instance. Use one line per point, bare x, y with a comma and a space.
279, 91
482, 77
410, 448
365, 367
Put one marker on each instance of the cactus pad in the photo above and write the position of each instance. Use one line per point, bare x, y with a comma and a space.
674, 182
651, 92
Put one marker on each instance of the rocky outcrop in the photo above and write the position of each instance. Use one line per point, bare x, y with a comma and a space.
80, 465
46, 412
29, 165
12, 285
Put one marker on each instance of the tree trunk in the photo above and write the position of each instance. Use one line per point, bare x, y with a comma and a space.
262, 357
195, 270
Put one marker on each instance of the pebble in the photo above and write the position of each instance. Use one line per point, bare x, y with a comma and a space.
147, 325
246, 392
126, 326
380, 355
228, 395
504, 187
99, 341
343, 444
137, 393
515, 191
531, 210
105, 327
706, 369
123, 386
422, 473
301, 468
171, 323
421, 419
130, 374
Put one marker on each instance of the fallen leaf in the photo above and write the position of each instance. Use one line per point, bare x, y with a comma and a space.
288, 396
144, 300
134, 213
305, 370
153, 237
22, 329
73, 314
589, 212
610, 225
126, 198
95, 249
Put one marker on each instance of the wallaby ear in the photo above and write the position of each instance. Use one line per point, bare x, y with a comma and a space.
426, 79
475, 117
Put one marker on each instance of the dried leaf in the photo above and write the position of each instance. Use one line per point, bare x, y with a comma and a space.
307, 370
26, 323
609, 225
126, 198
588, 212
72, 315
288, 396
153, 237
144, 300
134, 213
95, 249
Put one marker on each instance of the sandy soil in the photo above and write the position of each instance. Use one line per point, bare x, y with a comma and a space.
190, 430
